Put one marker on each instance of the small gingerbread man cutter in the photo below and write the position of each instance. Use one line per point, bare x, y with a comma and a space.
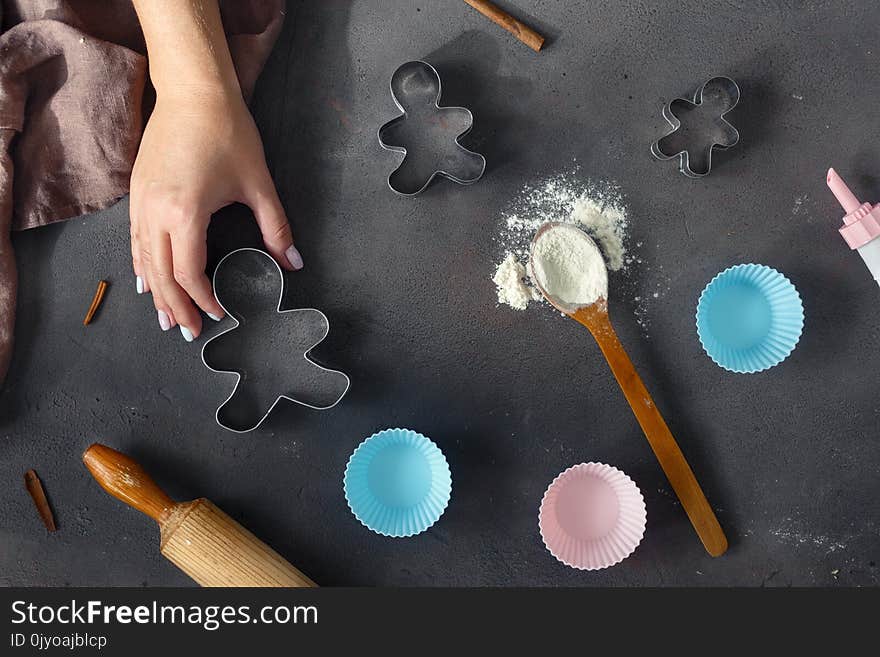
268, 348
699, 127
428, 135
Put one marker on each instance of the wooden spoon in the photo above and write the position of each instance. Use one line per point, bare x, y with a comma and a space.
595, 317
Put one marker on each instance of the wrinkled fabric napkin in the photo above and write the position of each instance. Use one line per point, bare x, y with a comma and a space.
73, 76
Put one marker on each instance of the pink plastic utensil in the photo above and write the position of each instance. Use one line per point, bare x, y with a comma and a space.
861, 225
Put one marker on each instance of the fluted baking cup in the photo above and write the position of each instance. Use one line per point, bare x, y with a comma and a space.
749, 318
592, 516
397, 483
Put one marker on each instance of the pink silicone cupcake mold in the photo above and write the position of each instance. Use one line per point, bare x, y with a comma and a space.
592, 516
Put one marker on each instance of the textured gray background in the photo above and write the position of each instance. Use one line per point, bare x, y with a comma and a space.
789, 457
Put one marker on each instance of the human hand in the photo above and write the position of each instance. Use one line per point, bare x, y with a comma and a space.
200, 151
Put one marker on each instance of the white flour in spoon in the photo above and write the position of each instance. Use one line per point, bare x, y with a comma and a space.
569, 266
596, 207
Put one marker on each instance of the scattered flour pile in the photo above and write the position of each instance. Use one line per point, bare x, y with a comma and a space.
606, 224
596, 207
569, 267
512, 288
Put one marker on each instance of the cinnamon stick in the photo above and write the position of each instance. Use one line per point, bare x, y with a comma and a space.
500, 17
35, 488
96, 302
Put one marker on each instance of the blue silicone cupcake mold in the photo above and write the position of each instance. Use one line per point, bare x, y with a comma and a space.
749, 318
397, 483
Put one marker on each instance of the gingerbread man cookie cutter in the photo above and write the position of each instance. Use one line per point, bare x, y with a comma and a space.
698, 127
428, 135
268, 348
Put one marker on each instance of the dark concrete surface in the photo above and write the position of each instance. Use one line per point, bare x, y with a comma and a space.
788, 457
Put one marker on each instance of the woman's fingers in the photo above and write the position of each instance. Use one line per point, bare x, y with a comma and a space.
163, 311
168, 295
136, 262
142, 278
141, 270
173, 268
263, 200
190, 255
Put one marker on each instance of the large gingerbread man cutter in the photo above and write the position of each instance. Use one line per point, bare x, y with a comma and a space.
427, 134
268, 348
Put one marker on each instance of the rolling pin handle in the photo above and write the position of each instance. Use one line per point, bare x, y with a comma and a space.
127, 481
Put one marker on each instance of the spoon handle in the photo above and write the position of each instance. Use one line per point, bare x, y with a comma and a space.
677, 470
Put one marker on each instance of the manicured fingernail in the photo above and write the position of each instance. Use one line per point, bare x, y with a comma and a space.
214, 317
164, 320
140, 285
293, 257
186, 333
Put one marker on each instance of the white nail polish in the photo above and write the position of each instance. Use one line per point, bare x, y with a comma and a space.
293, 257
186, 333
140, 285
214, 317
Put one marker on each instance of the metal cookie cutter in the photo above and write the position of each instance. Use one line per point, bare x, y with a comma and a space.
268, 348
699, 127
428, 135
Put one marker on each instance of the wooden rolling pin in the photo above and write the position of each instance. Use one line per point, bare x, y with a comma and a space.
195, 536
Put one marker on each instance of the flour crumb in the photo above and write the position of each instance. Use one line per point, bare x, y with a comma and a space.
791, 533
510, 279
